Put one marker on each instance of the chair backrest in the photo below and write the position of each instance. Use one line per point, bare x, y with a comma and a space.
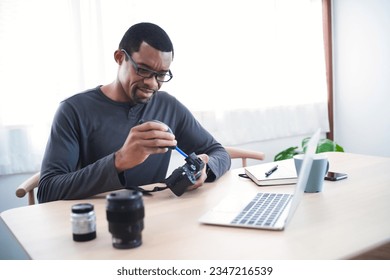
29, 185
244, 154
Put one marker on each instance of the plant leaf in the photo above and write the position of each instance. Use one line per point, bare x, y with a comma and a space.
324, 145
286, 154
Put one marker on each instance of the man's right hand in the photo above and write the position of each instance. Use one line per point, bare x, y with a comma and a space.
143, 140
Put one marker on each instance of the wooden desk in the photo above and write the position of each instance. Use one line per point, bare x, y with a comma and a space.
348, 218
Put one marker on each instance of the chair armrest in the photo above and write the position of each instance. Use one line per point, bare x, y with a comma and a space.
28, 186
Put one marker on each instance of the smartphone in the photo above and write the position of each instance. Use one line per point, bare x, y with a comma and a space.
335, 176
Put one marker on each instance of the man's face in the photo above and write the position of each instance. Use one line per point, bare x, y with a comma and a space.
138, 89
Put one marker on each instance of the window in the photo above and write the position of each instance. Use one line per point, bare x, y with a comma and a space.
264, 58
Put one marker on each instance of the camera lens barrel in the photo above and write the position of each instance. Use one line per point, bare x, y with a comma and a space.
125, 214
83, 220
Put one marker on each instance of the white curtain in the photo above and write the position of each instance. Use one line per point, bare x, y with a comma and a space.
250, 70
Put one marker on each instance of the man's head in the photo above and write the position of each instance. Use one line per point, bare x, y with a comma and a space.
149, 33
144, 57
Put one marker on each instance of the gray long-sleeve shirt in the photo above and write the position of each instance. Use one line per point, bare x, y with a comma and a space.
89, 128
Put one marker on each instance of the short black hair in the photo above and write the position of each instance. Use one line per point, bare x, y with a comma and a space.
149, 33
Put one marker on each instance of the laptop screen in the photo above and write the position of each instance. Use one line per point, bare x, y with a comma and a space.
304, 173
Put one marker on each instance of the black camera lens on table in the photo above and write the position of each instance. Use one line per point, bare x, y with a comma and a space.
125, 216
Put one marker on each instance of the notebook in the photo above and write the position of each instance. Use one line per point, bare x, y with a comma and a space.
280, 173
265, 210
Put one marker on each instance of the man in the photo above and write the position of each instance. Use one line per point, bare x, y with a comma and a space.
104, 139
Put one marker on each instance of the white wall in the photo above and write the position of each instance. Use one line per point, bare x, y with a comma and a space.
361, 38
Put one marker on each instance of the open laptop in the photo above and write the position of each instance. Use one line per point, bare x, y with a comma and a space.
265, 210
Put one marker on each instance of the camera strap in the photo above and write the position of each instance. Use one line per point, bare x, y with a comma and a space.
148, 192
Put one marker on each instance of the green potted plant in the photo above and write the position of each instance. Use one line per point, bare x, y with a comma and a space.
324, 145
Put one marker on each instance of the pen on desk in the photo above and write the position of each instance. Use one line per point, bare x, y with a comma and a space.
272, 170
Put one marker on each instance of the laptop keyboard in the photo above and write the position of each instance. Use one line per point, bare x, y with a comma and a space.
263, 210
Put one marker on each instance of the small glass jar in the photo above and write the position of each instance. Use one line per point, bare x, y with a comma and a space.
83, 220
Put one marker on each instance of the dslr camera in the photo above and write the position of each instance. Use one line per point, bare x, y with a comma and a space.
186, 175
182, 177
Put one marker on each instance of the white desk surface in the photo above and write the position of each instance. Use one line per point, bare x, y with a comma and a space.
348, 218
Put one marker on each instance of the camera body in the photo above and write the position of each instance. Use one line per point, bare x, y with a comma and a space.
186, 175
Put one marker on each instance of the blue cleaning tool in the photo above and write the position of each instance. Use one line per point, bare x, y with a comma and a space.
181, 152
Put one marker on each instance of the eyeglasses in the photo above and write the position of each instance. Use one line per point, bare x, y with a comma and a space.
147, 73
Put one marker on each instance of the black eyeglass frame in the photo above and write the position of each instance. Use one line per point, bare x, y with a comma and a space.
147, 73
